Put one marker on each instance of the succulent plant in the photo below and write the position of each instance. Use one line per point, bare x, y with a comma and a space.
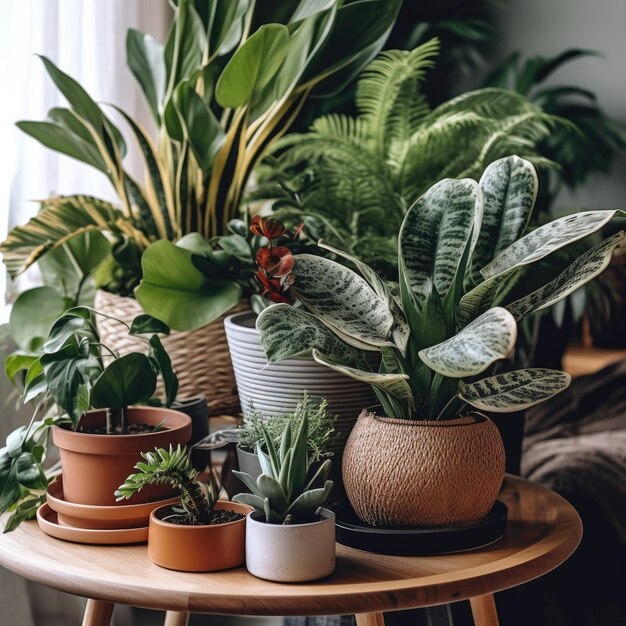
290, 490
173, 467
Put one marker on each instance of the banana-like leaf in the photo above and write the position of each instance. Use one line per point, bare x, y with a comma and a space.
287, 332
487, 339
509, 190
394, 384
547, 239
581, 271
434, 234
61, 219
344, 301
514, 391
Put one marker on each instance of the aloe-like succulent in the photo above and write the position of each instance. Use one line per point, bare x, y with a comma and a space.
289, 491
173, 467
463, 247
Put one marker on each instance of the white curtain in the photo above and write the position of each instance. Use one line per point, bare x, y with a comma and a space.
86, 38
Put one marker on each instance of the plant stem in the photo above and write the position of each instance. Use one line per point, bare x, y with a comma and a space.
117, 421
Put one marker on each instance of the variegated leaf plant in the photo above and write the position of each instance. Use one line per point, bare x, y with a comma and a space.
461, 247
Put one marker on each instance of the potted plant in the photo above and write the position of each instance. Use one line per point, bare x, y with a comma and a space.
289, 537
321, 433
99, 433
203, 534
449, 322
216, 112
276, 388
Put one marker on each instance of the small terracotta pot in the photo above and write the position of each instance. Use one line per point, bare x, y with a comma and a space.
291, 553
417, 473
198, 548
94, 466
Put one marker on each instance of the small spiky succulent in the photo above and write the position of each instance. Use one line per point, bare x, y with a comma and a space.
284, 493
173, 467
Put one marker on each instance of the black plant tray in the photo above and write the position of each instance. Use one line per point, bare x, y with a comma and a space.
419, 540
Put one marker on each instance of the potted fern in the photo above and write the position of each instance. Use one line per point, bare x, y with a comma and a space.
217, 108
442, 334
289, 536
203, 534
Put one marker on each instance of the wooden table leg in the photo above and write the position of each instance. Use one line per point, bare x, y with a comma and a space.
484, 610
176, 618
370, 619
98, 613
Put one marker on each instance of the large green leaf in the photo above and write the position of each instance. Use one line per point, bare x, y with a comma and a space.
487, 339
144, 57
18, 362
343, 301
60, 219
126, 381
174, 291
581, 271
252, 66
287, 332
514, 391
509, 191
434, 235
548, 238
164, 367
226, 25
32, 316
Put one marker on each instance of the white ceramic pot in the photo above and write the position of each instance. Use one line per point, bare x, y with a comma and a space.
291, 553
276, 388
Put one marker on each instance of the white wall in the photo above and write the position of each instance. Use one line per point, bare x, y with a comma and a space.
547, 27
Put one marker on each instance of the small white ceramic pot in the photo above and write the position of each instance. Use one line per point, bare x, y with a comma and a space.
290, 553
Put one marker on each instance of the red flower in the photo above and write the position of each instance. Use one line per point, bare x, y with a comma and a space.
275, 261
270, 227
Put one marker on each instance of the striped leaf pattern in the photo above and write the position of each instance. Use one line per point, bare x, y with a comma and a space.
547, 239
581, 271
434, 235
487, 339
288, 332
344, 301
509, 192
60, 219
515, 391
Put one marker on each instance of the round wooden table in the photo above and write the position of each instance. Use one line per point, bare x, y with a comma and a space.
542, 532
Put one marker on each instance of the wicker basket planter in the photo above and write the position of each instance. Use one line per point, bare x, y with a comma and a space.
199, 357
411, 473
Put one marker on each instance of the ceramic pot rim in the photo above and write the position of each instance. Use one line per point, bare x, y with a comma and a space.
232, 322
457, 422
225, 505
326, 515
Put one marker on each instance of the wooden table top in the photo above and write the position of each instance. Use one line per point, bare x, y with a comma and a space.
543, 530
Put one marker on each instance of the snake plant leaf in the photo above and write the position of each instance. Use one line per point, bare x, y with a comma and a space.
509, 190
514, 391
144, 57
487, 339
287, 332
395, 384
581, 271
434, 234
174, 291
248, 498
164, 367
344, 301
246, 479
61, 218
309, 501
320, 476
270, 489
125, 381
252, 66
547, 239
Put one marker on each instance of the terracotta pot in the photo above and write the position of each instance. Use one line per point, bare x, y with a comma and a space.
94, 466
121, 516
198, 548
415, 473
293, 552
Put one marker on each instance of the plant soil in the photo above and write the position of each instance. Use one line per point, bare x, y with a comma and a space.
133, 429
219, 516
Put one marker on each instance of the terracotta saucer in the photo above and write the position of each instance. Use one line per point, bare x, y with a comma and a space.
49, 523
88, 516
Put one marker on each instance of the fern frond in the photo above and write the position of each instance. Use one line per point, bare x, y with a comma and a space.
388, 95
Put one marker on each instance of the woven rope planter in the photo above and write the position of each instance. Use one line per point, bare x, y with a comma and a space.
199, 357
411, 473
